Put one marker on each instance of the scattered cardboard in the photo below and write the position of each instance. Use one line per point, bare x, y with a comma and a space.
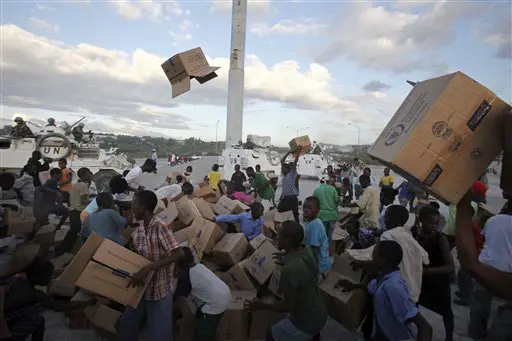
204, 209
184, 66
239, 279
20, 221
103, 317
234, 325
231, 249
257, 241
170, 213
207, 234
226, 205
204, 192
444, 135
273, 284
187, 211
261, 263
302, 141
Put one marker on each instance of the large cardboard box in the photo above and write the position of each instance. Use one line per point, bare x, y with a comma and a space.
105, 268
280, 217
185, 235
184, 66
170, 213
204, 209
263, 320
45, 235
342, 264
231, 249
261, 263
345, 307
204, 192
60, 263
20, 221
302, 141
258, 241
234, 325
444, 135
187, 211
57, 287
239, 279
273, 284
226, 205
207, 234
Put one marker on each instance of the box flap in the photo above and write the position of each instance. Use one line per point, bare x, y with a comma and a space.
82, 258
180, 86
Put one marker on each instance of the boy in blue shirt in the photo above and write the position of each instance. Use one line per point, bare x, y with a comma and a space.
251, 223
315, 235
394, 309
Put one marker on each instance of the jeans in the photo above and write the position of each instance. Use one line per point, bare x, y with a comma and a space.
69, 240
358, 191
465, 283
290, 203
158, 316
479, 313
284, 330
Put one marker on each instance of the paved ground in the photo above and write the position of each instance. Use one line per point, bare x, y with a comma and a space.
57, 326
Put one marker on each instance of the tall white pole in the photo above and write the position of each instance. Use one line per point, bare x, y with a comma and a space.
234, 122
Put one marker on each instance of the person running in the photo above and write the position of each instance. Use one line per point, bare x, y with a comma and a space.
251, 223
329, 201
153, 240
214, 177
315, 236
79, 199
66, 182
238, 180
395, 310
47, 200
290, 192
435, 290
211, 295
302, 299
262, 188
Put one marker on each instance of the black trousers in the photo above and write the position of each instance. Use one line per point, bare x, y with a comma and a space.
290, 203
69, 240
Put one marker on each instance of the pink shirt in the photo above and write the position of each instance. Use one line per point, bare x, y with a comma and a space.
241, 196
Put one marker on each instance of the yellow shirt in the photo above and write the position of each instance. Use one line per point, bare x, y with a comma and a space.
387, 180
214, 178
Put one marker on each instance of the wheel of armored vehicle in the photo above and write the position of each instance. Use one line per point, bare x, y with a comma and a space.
102, 179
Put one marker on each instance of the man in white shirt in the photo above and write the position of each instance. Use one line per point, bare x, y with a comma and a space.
134, 178
369, 204
414, 256
24, 187
211, 296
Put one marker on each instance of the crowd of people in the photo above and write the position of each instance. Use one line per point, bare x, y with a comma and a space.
410, 266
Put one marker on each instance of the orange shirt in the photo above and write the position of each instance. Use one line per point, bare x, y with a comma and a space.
66, 175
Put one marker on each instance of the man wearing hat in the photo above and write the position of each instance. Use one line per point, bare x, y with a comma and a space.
21, 129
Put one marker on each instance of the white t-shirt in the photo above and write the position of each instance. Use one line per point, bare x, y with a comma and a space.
209, 291
369, 204
133, 178
168, 191
414, 257
497, 251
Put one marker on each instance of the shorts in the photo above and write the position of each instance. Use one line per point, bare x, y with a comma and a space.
284, 330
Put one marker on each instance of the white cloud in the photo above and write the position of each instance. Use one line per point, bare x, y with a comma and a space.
117, 83
253, 6
44, 25
386, 38
498, 32
152, 9
181, 33
289, 27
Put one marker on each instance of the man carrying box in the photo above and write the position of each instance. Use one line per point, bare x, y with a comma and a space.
155, 241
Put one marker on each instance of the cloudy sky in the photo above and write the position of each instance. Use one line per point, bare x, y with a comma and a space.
315, 64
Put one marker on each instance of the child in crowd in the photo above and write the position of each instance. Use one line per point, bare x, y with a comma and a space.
214, 177
153, 240
251, 223
210, 295
117, 185
435, 290
395, 310
315, 236
299, 285
47, 200
66, 182
106, 221
240, 196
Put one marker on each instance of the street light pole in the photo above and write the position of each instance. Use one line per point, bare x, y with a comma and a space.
216, 137
358, 138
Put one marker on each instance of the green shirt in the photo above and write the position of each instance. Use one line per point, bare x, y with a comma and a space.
299, 277
450, 228
329, 200
263, 187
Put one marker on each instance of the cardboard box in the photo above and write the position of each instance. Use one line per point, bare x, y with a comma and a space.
345, 307
226, 205
269, 229
20, 221
45, 235
362, 254
263, 320
301, 141
224, 276
184, 66
342, 264
280, 217
170, 213
58, 287
187, 211
204, 192
260, 264
273, 284
204, 209
231, 249
234, 325
185, 235
103, 317
239, 280
105, 268
207, 234
60, 263
257, 241
160, 206
444, 135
